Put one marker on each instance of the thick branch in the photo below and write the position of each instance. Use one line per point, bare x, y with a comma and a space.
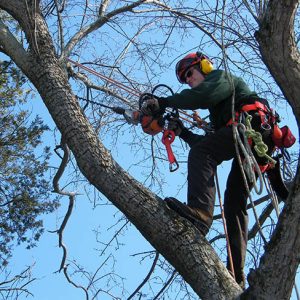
103, 19
12, 47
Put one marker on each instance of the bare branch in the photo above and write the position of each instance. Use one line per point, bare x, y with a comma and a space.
103, 7
76, 285
166, 285
71, 196
60, 25
103, 19
147, 276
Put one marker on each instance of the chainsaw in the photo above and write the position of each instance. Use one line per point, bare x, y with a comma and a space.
155, 123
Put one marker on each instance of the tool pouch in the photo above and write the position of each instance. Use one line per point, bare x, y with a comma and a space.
286, 140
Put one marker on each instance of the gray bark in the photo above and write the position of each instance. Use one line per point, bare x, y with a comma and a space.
272, 280
276, 38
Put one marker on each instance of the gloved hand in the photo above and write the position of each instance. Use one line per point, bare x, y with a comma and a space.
150, 107
175, 125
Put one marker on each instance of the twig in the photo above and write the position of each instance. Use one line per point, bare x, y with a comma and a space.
166, 285
146, 278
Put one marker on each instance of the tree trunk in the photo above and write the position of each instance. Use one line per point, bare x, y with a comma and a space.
272, 280
276, 38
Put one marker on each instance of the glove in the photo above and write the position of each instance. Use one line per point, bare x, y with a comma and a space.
176, 125
150, 107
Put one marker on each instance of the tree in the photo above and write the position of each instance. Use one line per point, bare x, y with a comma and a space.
44, 63
24, 188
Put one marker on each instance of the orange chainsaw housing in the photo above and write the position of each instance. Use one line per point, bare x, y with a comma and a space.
152, 125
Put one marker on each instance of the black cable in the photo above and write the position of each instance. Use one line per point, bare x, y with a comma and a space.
118, 110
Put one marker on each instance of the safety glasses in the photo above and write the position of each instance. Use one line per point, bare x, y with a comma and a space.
184, 65
189, 73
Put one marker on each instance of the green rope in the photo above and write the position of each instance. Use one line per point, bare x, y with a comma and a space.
260, 147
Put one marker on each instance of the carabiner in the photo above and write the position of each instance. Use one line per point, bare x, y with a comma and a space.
176, 166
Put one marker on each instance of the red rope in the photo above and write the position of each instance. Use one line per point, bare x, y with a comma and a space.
108, 79
119, 84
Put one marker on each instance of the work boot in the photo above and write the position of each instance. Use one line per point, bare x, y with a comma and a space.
197, 216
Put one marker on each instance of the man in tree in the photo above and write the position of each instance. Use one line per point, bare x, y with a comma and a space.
215, 90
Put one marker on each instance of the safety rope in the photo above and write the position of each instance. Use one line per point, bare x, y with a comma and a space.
260, 147
250, 164
249, 159
273, 196
125, 88
229, 254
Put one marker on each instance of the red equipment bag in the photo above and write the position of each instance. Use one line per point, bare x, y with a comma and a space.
286, 140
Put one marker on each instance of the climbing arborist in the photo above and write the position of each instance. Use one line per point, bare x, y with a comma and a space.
214, 90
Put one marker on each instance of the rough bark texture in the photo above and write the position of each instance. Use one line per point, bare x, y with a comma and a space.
279, 51
272, 280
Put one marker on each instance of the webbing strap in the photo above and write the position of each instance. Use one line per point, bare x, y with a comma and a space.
167, 139
261, 108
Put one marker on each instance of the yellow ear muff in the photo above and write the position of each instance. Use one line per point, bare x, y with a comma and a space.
206, 66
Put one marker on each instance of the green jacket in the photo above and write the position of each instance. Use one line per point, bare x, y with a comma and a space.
215, 94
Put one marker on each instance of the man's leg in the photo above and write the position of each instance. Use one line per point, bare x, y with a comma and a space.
202, 163
235, 208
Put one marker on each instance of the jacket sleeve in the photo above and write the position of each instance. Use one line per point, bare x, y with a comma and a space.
189, 137
214, 89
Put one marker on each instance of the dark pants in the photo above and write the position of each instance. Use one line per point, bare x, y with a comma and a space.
204, 157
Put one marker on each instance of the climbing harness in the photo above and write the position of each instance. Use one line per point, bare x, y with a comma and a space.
282, 137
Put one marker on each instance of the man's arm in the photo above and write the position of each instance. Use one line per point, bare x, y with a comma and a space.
189, 137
